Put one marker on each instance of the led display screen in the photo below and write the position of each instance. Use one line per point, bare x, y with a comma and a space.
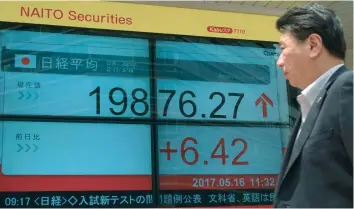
219, 82
74, 164
117, 121
218, 165
198, 161
75, 75
84, 160
75, 149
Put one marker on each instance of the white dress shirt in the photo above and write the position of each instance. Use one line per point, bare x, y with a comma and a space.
309, 94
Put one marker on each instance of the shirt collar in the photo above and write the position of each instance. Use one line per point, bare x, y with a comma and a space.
309, 94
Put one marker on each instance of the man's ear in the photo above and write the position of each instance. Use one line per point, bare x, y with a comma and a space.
315, 45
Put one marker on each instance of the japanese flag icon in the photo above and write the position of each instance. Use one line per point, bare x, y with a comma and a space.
25, 61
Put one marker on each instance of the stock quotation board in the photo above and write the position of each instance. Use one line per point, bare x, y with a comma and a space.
91, 108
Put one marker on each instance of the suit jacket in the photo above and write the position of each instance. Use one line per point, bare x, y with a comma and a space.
317, 168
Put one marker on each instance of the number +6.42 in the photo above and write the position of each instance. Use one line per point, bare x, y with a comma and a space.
219, 148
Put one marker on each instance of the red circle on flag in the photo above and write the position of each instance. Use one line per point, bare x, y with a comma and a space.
25, 61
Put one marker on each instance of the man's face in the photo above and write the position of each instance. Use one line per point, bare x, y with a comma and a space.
294, 60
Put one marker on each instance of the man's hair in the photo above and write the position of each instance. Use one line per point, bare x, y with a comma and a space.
311, 18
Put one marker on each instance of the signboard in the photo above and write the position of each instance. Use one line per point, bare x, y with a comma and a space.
142, 18
80, 113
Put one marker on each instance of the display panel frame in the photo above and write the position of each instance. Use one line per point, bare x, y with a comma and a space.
153, 121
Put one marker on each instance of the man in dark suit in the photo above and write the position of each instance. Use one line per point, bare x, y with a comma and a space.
317, 169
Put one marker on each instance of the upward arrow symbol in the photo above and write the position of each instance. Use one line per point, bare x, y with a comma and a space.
264, 99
